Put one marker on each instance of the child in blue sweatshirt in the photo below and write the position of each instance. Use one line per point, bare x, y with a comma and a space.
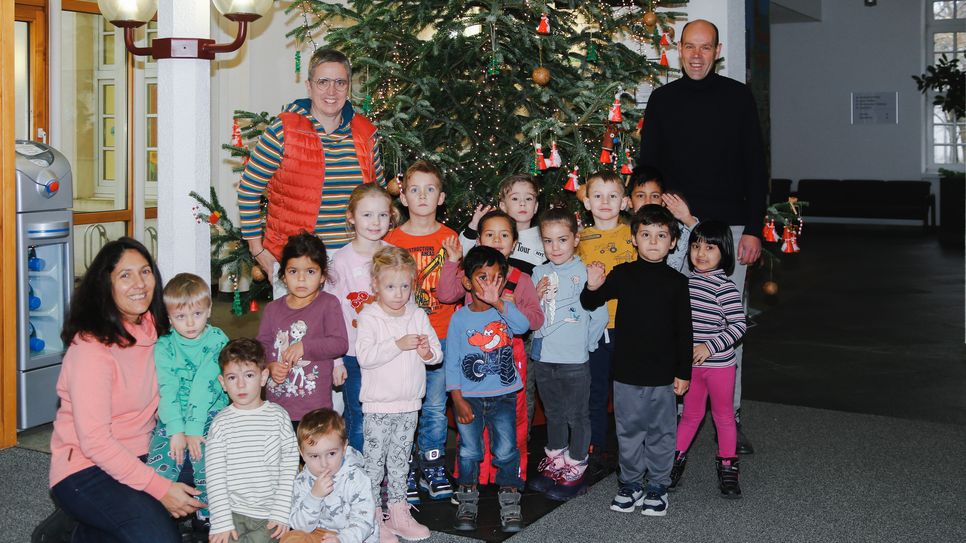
483, 381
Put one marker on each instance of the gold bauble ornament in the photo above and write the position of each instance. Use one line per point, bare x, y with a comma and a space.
650, 19
393, 187
541, 76
257, 273
770, 288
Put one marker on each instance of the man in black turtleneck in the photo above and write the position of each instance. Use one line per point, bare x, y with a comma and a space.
702, 133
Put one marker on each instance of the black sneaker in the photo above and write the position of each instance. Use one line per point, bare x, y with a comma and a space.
432, 476
743, 445
728, 478
56, 528
511, 517
655, 501
677, 470
469, 499
628, 497
412, 489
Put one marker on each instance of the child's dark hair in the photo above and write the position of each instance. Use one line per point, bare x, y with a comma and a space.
646, 174
242, 351
318, 423
93, 312
655, 214
303, 244
480, 256
495, 214
718, 234
558, 214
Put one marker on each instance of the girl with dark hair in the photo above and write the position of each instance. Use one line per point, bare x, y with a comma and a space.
303, 331
108, 393
718, 320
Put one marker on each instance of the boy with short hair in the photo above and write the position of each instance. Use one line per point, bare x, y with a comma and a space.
252, 453
608, 242
648, 372
422, 235
560, 355
647, 187
518, 199
483, 381
332, 492
186, 361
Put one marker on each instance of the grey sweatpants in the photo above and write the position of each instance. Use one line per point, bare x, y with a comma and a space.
388, 442
646, 432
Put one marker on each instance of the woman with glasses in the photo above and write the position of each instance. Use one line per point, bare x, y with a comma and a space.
307, 162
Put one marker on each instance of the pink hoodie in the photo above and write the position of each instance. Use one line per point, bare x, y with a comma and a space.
393, 381
108, 401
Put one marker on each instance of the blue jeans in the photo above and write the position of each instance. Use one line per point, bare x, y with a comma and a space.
109, 511
353, 407
432, 418
499, 414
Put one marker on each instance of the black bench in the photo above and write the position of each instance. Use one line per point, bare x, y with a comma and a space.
869, 199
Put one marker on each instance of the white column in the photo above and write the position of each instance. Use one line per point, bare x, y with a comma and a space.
184, 142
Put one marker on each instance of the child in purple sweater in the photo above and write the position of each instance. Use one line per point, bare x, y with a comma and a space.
302, 332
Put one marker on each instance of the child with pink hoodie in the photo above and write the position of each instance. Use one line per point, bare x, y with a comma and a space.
394, 344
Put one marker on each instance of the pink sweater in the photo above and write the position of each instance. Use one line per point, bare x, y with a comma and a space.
349, 281
108, 401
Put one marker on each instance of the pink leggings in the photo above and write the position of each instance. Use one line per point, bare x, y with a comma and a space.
719, 383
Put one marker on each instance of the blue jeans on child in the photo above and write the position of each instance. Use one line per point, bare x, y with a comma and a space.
353, 407
497, 413
108, 511
432, 418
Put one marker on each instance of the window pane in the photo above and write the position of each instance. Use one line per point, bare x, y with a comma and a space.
961, 10
108, 135
107, 159
943, 134
152, 129
942, 10
943, 41
108, 50
152, 105
152, 166
107, 104
941, 154
89, 238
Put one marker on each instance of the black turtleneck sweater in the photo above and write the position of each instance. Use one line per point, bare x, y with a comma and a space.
705, 139
653, 325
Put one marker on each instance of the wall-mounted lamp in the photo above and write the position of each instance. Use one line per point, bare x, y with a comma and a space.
130, 14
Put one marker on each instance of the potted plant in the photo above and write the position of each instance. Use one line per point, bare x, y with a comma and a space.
948, 80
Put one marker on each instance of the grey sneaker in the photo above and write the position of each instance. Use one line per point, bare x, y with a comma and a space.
469, 499
511, 517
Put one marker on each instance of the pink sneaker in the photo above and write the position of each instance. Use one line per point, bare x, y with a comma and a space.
402, 523
548, 470
571, 480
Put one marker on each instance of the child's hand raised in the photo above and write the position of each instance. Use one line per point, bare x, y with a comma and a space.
454, 249
408, 342
679, 208
488, 291
478, 214
324, 484
194, 447
596, 273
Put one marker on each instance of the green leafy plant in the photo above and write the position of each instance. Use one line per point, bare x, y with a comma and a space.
949, 82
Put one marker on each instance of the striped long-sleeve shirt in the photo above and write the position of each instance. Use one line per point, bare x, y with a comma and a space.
251, 458
342, 175
717, 316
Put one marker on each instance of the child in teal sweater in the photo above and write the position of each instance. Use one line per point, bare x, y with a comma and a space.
186, 360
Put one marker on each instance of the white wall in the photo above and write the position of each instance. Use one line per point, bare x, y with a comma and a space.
814, 67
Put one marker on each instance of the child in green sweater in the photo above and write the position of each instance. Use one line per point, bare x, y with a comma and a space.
186, 360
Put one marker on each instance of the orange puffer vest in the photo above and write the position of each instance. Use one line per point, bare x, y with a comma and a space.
295, 191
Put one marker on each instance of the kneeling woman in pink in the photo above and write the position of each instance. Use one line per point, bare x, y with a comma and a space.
108, 393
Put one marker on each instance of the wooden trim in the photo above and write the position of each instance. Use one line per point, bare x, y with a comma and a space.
8, 231
95, 217
36, 17
150, 213
83, 6
36, 3
131, 97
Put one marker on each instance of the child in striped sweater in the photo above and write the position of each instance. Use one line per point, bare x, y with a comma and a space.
718, 321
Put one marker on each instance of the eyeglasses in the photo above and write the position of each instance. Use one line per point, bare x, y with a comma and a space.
323, 83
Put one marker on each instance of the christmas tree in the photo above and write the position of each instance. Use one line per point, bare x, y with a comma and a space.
475, 87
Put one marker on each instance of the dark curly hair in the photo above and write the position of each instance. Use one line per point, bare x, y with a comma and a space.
92, 310
303, 244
